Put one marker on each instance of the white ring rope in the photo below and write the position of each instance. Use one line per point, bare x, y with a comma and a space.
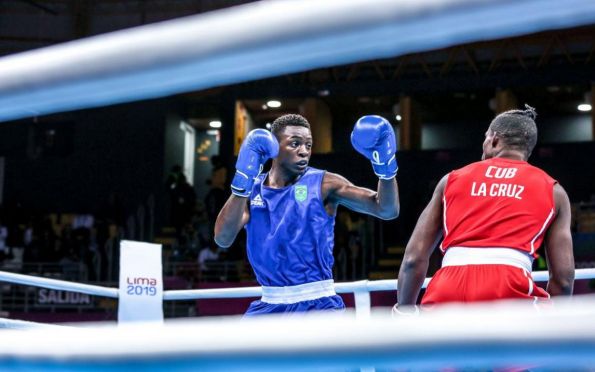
350, 287
258, 40
61, 285
241, 292
211, 293
501, 334
22, 324
538, 276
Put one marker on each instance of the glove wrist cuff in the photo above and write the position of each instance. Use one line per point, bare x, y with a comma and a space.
386, 171
413, 311
387, 177
241, 185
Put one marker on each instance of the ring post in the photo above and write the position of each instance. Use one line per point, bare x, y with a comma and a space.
361, 295
141, 283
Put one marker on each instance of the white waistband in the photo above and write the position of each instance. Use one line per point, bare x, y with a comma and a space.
297, 293
459, 256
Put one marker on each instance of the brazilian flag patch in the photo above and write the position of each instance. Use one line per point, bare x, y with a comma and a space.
301, 193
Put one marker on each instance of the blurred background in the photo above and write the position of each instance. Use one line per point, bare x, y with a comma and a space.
72, 185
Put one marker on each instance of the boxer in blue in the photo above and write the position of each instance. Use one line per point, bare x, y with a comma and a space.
289, 212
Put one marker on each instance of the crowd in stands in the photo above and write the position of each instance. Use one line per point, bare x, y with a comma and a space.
73, 244
84, 247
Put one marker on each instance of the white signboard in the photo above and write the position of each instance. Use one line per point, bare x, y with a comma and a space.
141, 282
63, 298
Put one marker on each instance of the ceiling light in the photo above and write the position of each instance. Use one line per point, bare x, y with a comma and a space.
215, 124
274, 104
398, 117
584, 107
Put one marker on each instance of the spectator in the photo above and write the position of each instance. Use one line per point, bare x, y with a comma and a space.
171, 182
173, 177
216, 196
81, 232
206, 257
341, 244
184, 203
70, 265
4, 248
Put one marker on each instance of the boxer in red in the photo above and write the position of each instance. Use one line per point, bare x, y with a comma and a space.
494, 215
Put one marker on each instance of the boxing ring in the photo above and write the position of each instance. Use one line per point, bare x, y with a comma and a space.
236, 45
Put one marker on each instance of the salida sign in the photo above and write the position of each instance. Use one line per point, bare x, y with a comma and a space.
51, 297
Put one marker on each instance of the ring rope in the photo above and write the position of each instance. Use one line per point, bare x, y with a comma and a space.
474, 336
256, 41
23, 324
61, 285
242, 292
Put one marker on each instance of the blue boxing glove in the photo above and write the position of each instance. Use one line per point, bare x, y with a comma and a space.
257, 148
374, 138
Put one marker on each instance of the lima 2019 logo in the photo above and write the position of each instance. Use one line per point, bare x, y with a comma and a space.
141, 286
301, 193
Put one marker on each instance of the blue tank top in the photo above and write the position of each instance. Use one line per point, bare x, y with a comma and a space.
290, 235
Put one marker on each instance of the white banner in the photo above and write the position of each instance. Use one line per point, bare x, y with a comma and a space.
141, 282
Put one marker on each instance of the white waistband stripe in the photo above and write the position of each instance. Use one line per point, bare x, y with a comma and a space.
460, 256
298, 293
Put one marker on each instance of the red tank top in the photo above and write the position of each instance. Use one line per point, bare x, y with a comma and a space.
497, 203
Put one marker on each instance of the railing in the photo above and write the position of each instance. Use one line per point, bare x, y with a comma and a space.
357, 250
177, 275
215, 271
